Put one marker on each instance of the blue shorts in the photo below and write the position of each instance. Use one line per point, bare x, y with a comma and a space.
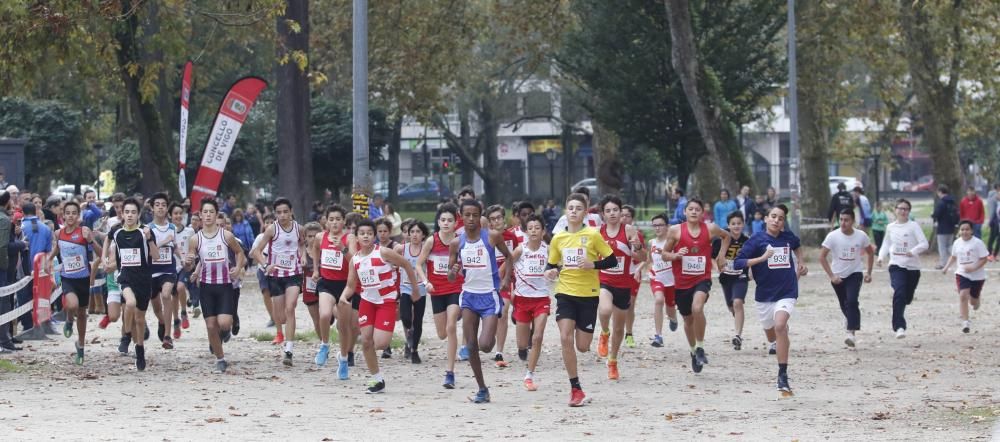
483, 304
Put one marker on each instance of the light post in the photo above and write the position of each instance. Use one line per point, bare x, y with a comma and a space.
551, 155
98, 149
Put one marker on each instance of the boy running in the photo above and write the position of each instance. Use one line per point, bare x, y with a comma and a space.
734, 282
617, 281
661, 279
847, 245
971, 255
531, 295
433, 267
284, 270
73, 247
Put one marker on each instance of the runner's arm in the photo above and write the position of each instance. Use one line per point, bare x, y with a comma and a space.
453, 265
192, 246
824, 253
234, 246
673, 236
258, 252
352, 280
397, 260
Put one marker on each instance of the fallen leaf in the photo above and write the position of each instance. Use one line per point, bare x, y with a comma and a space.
213, 420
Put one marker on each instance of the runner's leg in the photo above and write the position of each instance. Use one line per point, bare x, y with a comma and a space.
470, 325
657, 312
536, 340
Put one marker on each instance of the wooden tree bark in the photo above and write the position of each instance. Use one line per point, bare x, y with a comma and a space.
295, 171
394, 147
606, 147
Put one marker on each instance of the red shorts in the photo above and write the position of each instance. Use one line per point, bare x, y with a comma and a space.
527, 309
505, 294
668, 292
381, 316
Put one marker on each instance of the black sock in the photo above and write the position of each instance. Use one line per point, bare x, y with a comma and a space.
782, 369
140, 351
575, 383
628, 334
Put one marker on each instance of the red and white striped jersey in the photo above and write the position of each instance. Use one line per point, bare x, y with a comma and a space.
376, 276
529, 270
214, 254
285, 251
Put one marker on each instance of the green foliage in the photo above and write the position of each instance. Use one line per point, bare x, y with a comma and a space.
330, 129
124, 163
55, 149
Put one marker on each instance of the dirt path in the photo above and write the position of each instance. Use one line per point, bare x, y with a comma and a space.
936, 384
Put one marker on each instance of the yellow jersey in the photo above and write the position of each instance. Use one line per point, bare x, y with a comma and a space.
571, 250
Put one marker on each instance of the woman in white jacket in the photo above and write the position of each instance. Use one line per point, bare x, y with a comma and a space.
904, 242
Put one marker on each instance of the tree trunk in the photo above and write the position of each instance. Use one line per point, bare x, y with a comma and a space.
492, 181
295, 171
468, 168
935, 100
606, 147
397, 135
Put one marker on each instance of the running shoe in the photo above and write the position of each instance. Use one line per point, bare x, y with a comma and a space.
482, 396
463, 353
68, 328
966, 326
236, 325
900, 333
225, 335
123, 344
387, 353
168, 344
415, 357
657, 341
197, 312
220, 367
449, 380
500, 363
350, 359
323, 354
700, 354
576, 397
342, 373
140, 358
185, 323
288, 359
522, 354
613, 370
78, 360
161, 331
737, 342
406, 351
177, 328
602, 345
270, 323
695, 364
104, 322
629, 341
772, 349
529, 384
849, 340
783, 386
673, 325
145, 334
375, 387
279, 339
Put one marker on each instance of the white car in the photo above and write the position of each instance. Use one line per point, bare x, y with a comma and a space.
590, 184
66, 191
849, 181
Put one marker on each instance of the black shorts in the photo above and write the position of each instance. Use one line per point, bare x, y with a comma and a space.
278, 284
582, 310
79, 287
331, 286
160, 280
142, 289
733, 287
685, 297
621, 298
440, 303
183, 277
975, 287
218, 299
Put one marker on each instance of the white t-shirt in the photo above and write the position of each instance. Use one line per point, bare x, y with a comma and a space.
256, 242
846, 251
967, 253
592, 220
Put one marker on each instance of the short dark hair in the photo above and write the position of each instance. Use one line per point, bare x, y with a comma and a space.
4, 197
858, 189
782, 208
383, 221
679, 191
420, 225
847, 212
210, 201
943, 189
495, 208
85, 192
577, 196
467, 190
72, 203
159, 196
735, 214
281, 200
582, 189
365, 222
611, 199
662, 216
966, 221
536, 218
694, 201
174, 205
473, 203
630, 208
117, 197
128, 201
904, 200
841, 186
335, 208
524, 205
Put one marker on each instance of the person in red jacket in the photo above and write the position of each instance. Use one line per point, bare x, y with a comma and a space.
971, 208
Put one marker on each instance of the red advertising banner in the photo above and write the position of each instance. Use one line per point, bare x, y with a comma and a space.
42, 287
182, 131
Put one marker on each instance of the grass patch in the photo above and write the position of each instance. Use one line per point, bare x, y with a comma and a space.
310, 336
9, 367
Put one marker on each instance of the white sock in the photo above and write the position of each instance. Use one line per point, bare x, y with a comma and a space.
288, 345
220, 360
378, 377
529, 375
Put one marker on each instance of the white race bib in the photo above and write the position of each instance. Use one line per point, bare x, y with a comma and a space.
368, 277
73, 264
535, 268
332, 259
474, 258
310, 284
848, 253
130, 257
286, 262
163, 255
693, 265
901, 249
440, 264
659, 265
780, 259
216, 254
572, 258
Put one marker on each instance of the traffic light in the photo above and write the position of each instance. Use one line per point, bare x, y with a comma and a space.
445, 165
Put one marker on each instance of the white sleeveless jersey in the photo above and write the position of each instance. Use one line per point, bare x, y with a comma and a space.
660, 271
284, 253
404, 283
530, 272
214, 254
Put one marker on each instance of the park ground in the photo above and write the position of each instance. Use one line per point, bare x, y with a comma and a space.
936, 384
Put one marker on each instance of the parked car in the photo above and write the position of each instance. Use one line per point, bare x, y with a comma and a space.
432, 190
923, 184
849, 181
67, 191
590, 184
382, 188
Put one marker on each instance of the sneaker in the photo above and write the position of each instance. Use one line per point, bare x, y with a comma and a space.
342, 373
657, 341
938, 266
576, 397
123, 344
225, 335
500, 363
161, 331
270, 323
415, 357
177, 328
140, 358
104, 322
529, 384
629, 341
522, 354
322, 355
387, 353
900, 333
78, 360
613, 370
463, 353
772, 349
482, 396
185, 323
68, 328
695, 364
966, 326
406, 351
737, 342
602, 345
375, 387
849, 340
350, 359
236, 325
168, 344
449, 380
220, 367
197, 312
279, 339
145, 334
783, 386
700, 354
288, 359
673, 325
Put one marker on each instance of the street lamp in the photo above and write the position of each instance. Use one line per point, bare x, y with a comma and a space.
98, 148
877, 150
551, 155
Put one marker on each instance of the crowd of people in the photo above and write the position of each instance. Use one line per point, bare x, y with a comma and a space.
478, 264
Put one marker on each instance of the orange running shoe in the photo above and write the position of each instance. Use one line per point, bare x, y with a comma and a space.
278, 339
602, 345
104, 322
529, 384
613, 370
576, 398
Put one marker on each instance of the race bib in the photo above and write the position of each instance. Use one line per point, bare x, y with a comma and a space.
535, 267
130, 257
780, 259
440, 264
164, 255
618, 269
332, 259
368, 277
73, 264
730, 268
572, 258
659, 265
693, 265
901, 249
310, 285
474, 258
286, 262
216, 254
965, 258
848, 254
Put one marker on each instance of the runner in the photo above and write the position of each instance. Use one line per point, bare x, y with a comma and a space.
531, 295
573, 258
130, 252
73, 247
592, 219
776, 262
330, 248
496, 216
261, 276
734, 282
214, 245
184, 278
350, 333
970, 274
474, 254
372, 268
847, 246
383, 237
194, 301
691, 244
661, 279
164, 270
226, 223
106, 225
412, 312
628, 219
617, 281
284, 271
904, 242
309, 286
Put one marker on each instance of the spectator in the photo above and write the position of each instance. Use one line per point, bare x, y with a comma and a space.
242, 230
229, 205
838, 202
375, 207
771, 200
15, 198
53, 211
3, 181
39, 239
761, 204
879, 222
679, 215
723, 208
971, 208
945, 217
253, 217
746, 203
316, 212
6, 303
994, 242
865, 207
397, 221
91, 211
551, 214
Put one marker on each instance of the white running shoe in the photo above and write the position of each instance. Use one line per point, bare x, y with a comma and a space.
849, 340
900, 333
966, 326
